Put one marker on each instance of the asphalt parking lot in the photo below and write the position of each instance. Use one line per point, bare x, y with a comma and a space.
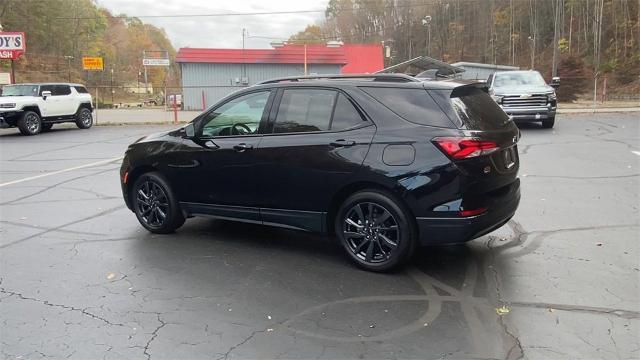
81, 279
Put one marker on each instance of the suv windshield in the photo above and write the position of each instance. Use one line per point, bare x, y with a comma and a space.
518, 79
20, 90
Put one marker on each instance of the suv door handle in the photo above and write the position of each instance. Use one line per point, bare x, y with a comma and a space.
342, 143
242, 147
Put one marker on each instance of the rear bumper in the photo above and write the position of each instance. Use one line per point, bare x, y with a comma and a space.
530, 113
440, 231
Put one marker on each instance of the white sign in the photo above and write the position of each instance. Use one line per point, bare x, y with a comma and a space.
155, 62
5, 78
12, 45
12, 41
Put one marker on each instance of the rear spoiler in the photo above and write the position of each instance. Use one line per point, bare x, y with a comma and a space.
467, 86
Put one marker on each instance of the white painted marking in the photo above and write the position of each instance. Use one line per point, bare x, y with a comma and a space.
101, 162
636, 152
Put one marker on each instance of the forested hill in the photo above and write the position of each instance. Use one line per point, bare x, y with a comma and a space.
59, 29
600, 36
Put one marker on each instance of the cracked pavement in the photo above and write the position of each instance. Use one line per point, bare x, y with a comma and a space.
81, 279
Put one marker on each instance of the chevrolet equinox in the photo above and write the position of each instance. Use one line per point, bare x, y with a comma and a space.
385, 163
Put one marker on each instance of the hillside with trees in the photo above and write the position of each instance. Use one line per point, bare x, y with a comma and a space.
594, 37
60, 32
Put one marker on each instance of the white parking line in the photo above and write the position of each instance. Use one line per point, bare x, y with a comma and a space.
636, 152
101, 162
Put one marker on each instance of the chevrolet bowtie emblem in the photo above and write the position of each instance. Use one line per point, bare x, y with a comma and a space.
525, 96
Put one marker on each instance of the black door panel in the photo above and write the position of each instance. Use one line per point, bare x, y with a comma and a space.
301, 171
221, 173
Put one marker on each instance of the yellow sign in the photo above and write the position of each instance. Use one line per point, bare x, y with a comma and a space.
92, 63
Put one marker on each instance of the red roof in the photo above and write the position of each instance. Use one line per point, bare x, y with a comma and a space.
289, 54
363, 58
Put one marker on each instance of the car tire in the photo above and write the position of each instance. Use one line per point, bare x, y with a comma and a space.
548, 122
155, 205
47, 127
376, 230
84, 118
30, 123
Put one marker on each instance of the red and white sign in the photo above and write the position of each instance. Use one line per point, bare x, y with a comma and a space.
12, 45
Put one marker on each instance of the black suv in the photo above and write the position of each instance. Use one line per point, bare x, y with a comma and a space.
384, 162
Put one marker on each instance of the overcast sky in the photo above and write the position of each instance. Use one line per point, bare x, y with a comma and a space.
221, 32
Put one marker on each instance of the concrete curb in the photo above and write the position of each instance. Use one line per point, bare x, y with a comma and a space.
597, 110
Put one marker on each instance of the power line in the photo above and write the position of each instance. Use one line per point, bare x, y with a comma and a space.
257, 13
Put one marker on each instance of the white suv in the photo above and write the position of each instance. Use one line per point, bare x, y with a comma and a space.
36, 107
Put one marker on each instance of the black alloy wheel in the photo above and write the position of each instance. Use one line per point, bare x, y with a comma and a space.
154, 204
375, 231
371, 232
84, 118
30, 123
549, 122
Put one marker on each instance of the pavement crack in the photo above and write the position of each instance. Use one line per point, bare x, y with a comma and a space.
62, 306
154, 334
622, 313
232, 348
56, 185
105, 212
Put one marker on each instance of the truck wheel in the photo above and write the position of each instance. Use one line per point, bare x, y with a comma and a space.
30, 123
84, 118
548, 122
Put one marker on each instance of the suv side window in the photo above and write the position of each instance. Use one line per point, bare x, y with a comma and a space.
304, 110
345, 116
413, 105
44, 88
81, 89
239, 116
59, 90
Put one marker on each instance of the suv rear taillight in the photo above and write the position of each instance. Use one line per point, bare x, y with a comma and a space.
465, 147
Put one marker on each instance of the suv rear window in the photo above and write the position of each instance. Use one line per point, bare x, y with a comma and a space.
414, 105
473, 107
59, 90
304, 110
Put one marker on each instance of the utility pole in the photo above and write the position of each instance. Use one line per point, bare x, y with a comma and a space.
69, 58
244, 64
112, 91
146, 82
554, 68
13, 72
426, 22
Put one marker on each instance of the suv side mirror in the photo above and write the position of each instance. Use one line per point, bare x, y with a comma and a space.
555, 82
46, 94
190, 130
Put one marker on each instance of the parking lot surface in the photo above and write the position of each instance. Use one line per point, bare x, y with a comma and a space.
81, 279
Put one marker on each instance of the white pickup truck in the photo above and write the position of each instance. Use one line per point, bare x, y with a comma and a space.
36, 107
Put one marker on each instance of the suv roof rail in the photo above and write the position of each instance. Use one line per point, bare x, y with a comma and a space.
374, 77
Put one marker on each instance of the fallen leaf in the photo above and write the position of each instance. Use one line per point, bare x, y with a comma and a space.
269, 330
550, 310
269, 317
503, 310
111, 276
598, 244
